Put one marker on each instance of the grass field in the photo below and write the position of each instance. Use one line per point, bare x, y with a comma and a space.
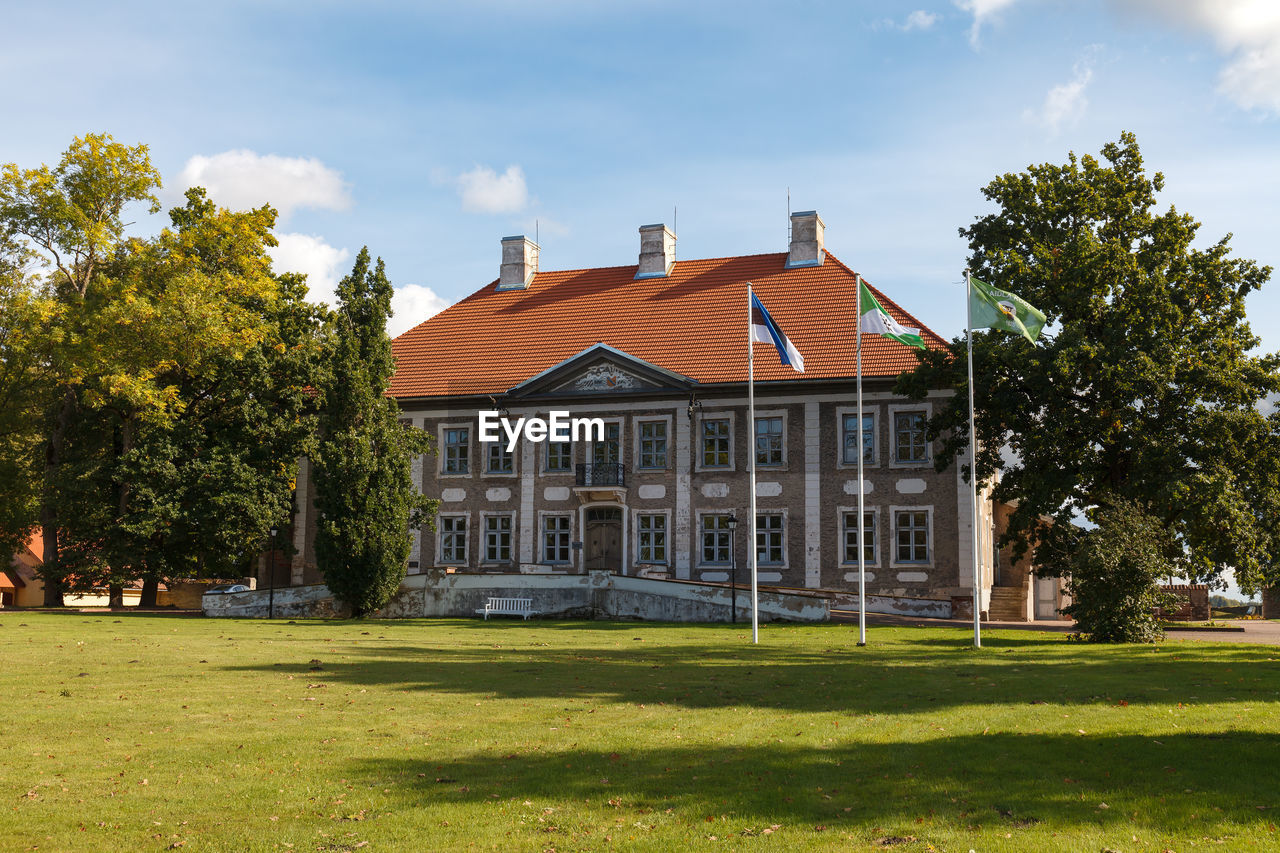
154, 732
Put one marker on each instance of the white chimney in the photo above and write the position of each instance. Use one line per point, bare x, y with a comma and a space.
657, 251
806, 240
519, 263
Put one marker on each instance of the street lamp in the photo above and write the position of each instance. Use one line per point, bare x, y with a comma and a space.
732, 523
271, 596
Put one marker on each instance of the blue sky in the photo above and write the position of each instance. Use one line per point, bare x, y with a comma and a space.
430, 131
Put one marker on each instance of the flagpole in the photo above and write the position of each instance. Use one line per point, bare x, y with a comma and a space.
751, 453
973, 472
862, 523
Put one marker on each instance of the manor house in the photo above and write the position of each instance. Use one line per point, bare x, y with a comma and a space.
658, 350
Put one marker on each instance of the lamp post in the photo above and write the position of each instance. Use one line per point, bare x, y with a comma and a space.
732, 522
271, 596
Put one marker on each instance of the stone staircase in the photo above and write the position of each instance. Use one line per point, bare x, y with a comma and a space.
1008, 604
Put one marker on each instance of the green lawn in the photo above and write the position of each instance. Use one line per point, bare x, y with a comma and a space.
151, 732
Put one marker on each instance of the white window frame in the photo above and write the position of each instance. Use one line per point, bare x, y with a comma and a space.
472, 442
541, 540
894, 562
773, 413
557, 472
483, 536
515, 460
622, 442
841, 511
874, 412
637, 423
665, 514
785, 564
466, 539
726, 415
903, 408
702, 561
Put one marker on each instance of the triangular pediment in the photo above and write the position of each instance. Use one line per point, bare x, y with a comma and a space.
602, 370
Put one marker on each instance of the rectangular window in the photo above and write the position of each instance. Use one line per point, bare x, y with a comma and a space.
453, 539
768, 441
769, 539
652, 536
498, 460
715, 443
849, 521
457, 445
559, 455
909, 440
609, 451
849, 433
555, 539
497, 539
911, 528
716, 539
653, 444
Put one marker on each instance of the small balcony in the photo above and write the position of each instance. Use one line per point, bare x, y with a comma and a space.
602, 474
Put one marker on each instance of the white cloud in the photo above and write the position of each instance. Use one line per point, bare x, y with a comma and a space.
412, 304
983, 11
1066, 103
485, 191
919, 20
323, 264
1247, 31
243, 179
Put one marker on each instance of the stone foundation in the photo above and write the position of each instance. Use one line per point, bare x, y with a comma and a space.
596, 595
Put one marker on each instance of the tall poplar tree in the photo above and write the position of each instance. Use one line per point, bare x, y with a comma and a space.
365, 498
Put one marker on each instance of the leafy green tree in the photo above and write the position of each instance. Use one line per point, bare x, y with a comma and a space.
22, 400
366, 500
1115, 573
1142, 391
70, 218
172, 375
190, 445
216, 410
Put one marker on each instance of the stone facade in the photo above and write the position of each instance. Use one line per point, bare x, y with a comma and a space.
810, 487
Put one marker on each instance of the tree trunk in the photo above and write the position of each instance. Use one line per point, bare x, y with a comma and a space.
150, 592
51, 567
115, 595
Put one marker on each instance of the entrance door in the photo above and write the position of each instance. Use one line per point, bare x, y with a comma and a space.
1046, 598
602, 544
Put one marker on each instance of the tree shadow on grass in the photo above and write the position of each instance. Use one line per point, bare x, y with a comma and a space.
1182, 784
912, 675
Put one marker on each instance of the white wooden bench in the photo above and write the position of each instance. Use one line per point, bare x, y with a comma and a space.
508, 607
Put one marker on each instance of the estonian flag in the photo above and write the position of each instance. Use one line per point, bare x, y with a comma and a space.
766, 331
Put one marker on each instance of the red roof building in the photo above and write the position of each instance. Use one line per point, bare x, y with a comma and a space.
657, 352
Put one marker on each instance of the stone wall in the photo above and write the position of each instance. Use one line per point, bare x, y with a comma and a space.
1194, 600
598, 594
1271, 603
811, 489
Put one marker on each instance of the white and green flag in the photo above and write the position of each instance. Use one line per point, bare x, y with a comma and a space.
876, 321
993, 308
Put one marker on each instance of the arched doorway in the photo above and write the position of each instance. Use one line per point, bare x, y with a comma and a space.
602, 539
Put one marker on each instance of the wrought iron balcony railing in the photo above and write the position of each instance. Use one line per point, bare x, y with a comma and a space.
602, 474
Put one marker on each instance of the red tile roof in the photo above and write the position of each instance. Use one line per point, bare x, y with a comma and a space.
693, 322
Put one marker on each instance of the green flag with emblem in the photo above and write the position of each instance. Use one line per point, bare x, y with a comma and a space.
993, 308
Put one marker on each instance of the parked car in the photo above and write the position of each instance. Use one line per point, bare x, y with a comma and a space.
226, 587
